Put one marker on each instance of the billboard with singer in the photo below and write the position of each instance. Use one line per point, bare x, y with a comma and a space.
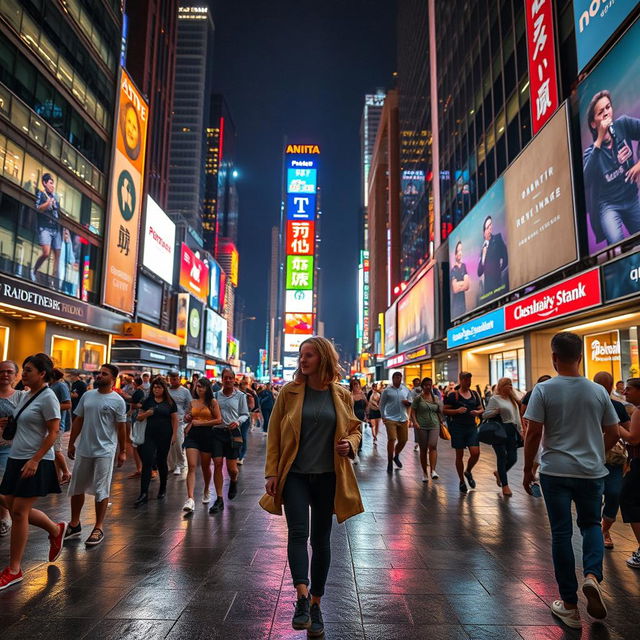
609, 101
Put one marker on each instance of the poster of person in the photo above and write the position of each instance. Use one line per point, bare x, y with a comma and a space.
609, 100
478, 255
416, 315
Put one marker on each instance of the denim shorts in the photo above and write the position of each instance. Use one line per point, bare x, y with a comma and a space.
50, 236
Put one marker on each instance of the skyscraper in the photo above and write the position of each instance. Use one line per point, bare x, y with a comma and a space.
191, 103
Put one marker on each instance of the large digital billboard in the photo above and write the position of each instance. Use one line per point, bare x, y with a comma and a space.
302, 180
509, 238
299, 301
609, 100
300, 238
416, 315
194, 273
215, 341
390, 331
215, 283
595, 22
125, 202
298, 323
299, 273
301, 207
159, 242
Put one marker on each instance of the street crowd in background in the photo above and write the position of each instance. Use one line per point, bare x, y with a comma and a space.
581, 442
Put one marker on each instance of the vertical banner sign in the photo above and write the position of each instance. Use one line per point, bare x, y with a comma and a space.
125, 197
543, 79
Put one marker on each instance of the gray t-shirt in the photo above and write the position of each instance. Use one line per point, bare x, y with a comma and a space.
573, 410
7, 407
100, 412
315, 452
32, 428
182, 398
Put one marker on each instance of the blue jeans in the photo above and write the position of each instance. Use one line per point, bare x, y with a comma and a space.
612, 489
507, 453
244, 429
559, 493
620, 222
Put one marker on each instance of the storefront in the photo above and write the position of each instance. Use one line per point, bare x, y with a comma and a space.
142, 347
488, 363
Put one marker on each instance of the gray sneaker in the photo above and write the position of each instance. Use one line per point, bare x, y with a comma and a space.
317, 625
301, 618
5, 527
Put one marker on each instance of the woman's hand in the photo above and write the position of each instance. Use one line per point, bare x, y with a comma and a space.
29, 469
188, 417
271, 485
3, 423
233, 425
343, 448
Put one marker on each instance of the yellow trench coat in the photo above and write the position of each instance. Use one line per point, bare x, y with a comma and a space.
284, 439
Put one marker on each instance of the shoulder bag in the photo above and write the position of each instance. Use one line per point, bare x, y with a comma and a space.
138, 430
11, 427
492, 431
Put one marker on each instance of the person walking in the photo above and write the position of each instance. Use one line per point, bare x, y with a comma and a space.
573, 413
416, 391
227, 437
394, 402
313, 433
177, 460
266, 405
245, 426
31, 472
375, 417
425, 416
161, 414
135, 406
100, 429
359, 401
504, 405
202, 417
9, 398
463, 406
61, 389
78, 389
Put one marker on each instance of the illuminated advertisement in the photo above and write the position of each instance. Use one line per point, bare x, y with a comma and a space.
602, 353
412, 185
195, 324
215, 281
194, 273
298, 323
509, 238
622, 277
299, 301
300, 238
596, 21
299, 272
486, 326
182, 316
228, 248
609, 102
292, 341
301, 207
416, 315
215, 341
390, 331
290, 362
159, 242
301, 180
233, 348
125, 202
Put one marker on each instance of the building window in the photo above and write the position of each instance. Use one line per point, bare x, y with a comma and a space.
65, 352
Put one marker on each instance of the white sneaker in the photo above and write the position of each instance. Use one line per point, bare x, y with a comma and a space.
5, 527
425, 477
240, 461
189, 505
206, 497
596, 607
434, 475
177, 471
416, 447
633, 560
356, 459
571, 617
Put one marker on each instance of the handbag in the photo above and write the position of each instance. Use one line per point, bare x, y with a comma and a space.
492, 432
11, 428
617, 455
444, 432
138, 432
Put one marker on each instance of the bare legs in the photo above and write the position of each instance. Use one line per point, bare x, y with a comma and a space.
474, 455
218, 478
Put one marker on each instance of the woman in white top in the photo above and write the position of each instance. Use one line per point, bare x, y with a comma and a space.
505, 405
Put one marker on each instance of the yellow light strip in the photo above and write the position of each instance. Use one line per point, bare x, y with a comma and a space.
44, 315
489, 347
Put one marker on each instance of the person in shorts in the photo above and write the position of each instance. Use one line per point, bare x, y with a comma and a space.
63, 393
395, 400
99, 427
177, 460
31, 472
49, 231
463, 406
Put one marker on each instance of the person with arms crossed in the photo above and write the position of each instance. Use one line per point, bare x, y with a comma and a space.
395, 401
460, 283
570, 414
100, 424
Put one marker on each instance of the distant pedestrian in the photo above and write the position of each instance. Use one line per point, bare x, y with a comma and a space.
177, 460
359, 401
395, 401
373, 408
573, 413
267, 400
425, 417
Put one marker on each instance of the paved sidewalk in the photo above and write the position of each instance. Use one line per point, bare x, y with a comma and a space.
424, 561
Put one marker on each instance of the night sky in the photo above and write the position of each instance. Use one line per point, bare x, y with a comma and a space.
301, 68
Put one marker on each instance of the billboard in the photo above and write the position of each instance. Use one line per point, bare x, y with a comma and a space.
125, 201
416, 315
300, 238
194, 273
159, 242
298, 323
609, 105
195, 324
622, 277
602, 353
390, 331
299, 273
215, 341
302, 180
229, 248
182, 316
292, 341
149, 305
301, 207
509, 238
595, 22
299, 301
215, 282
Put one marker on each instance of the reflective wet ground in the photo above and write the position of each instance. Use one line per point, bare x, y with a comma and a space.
424, 561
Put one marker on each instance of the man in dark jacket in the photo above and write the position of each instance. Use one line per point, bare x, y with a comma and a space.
266, 404
493, 262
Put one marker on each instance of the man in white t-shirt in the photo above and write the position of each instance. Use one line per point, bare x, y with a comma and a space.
570, 414
181, 396
99, 425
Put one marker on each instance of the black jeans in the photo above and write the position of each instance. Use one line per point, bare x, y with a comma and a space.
507, 453
155, 450
301, 492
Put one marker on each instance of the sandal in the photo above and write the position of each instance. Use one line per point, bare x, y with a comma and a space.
96, 537
66, 478
608, 542
495, 473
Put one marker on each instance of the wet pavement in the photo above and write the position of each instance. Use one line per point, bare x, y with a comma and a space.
424, 561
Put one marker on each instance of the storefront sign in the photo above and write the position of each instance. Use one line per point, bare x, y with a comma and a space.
543, 81
595, 22
575, 294
147, 333
396, 361
486, 326
602, 353
125, 202
418, 354
194, 273
159, 242
622, 278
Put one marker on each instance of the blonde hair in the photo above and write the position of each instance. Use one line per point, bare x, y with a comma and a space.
329, 369
510, 394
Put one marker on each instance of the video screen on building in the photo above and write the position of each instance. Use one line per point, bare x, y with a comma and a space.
416, 315
301, 180
300, 238
298, 323
390, 331
609, 100
301, 206
298, 301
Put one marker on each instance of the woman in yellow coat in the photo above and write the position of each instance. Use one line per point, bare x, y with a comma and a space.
312, 434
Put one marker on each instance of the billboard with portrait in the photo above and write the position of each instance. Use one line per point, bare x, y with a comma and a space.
609, 102
416, 315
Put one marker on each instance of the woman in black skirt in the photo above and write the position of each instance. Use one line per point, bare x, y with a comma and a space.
31, 471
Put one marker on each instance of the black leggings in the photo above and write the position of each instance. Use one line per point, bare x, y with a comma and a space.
507, 453
301, 492
155, 449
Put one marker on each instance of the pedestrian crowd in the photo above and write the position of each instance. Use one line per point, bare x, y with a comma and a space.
580, 437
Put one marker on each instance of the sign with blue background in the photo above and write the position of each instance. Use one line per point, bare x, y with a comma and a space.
596, 21
486, 326
301, 206
622, 277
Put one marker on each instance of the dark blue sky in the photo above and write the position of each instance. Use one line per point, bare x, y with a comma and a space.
301, 69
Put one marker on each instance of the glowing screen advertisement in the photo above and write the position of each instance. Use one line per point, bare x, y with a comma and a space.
159, 242
609, 103
301, 206
416, 315
299, 272
299, 301
300, 238
298, 323
301, 180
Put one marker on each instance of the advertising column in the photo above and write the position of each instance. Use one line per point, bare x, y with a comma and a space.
301, 167
125, 197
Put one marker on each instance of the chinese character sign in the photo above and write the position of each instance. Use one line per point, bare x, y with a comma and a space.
299, 272
543, 81
301, 180
300, 238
